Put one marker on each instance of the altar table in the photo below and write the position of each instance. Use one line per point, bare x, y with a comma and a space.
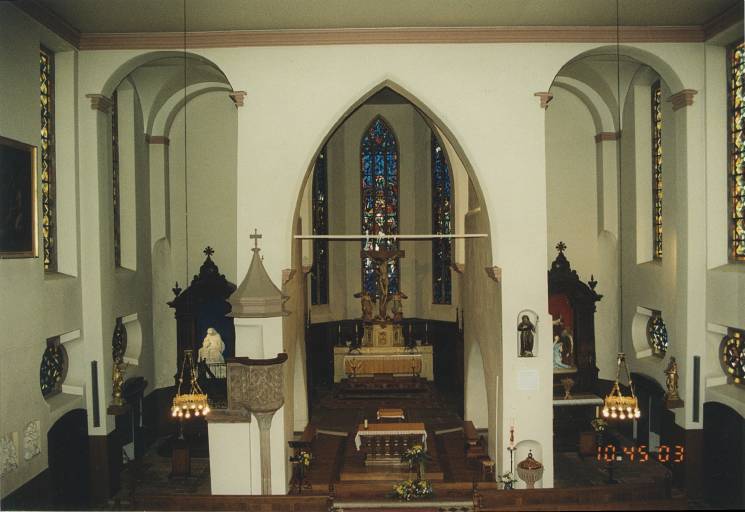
370, 361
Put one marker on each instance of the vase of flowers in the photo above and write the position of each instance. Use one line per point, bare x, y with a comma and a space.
507, 480
415, 457
301, 461
413, 490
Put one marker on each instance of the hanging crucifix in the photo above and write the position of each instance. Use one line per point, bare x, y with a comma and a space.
381, 259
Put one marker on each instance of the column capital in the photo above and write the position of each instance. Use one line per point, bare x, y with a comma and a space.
288, 274
494, 273
604, 136
545, 98
100, 102
237, 97
157, 139
682, 99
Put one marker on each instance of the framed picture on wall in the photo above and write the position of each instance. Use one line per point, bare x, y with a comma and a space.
17, 200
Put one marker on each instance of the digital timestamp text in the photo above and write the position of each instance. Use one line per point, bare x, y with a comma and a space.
665, 454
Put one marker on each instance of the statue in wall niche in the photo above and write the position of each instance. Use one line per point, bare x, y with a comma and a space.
526, 328
212, 347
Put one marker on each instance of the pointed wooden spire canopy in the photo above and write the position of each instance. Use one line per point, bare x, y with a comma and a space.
257, 296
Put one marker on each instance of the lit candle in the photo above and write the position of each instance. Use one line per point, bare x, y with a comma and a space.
365, 423
512, 437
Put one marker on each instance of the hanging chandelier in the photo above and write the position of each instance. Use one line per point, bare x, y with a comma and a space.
616, 405
194, 403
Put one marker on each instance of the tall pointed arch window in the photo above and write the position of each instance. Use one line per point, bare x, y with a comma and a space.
379, 197
657, 191
48, 181
442, 248
737, 151
319, 282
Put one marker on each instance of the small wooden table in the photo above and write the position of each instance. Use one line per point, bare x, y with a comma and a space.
390, 414
385, 442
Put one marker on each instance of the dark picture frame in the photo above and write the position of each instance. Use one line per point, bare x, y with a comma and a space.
18, 200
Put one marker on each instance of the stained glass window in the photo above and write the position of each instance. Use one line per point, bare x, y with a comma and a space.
319, 281
737, 152
442, 248
379, 168
115, 177
657, 169
657, 334
53, 368
48, 195
732, 352
119, 341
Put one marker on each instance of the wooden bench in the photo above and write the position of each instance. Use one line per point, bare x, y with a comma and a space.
601, 497
306, 440
469, 431
304, 503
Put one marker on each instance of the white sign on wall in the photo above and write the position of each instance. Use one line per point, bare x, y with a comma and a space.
527, 380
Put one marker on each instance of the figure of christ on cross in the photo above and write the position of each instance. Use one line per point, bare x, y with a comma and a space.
381, 257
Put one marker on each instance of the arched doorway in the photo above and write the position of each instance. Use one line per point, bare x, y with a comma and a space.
68, 461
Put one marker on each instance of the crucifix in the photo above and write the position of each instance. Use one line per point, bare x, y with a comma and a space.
255, 237
382, 257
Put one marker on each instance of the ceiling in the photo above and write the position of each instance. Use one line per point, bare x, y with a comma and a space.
118, 16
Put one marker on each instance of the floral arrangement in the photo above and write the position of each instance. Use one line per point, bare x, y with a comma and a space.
599, 424
507, 480
414, 455
413, 490
302, 458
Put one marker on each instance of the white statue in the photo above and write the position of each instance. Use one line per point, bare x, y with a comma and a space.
212, 347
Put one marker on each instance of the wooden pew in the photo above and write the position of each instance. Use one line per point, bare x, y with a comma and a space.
303, 503
601, 497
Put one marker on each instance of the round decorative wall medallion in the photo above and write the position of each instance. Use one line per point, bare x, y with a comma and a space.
53, 368
732, 353
657, 334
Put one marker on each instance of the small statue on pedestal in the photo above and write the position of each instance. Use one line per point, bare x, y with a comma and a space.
117, 380
367, 307
397, 307
672, 398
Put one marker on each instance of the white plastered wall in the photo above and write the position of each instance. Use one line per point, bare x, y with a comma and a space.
35, 305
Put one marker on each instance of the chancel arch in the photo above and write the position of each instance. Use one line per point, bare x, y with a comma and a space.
440, 328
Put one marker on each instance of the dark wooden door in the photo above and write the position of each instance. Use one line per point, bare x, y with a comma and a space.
724, 456
68, 460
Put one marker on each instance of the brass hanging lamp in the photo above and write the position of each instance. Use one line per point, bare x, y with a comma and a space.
616, 405
193, 403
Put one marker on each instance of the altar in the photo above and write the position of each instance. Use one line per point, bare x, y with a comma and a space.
370, 361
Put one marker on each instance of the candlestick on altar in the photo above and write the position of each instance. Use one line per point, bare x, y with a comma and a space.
511, 448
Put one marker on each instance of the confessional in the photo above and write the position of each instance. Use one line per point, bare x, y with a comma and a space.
571, 304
